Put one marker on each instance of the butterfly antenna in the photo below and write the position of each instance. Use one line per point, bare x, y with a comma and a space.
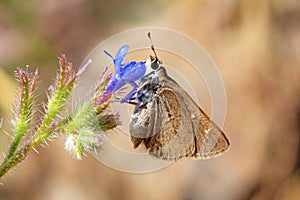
152, 47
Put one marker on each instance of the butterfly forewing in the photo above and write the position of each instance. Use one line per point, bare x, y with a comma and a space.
209, 139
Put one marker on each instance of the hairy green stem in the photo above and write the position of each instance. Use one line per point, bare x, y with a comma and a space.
23, 121
43, 133
17, 157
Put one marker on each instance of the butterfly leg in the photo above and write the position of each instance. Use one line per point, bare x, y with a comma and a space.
131, 93
133, 103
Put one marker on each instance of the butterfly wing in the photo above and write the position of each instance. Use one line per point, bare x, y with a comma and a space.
209, 140
172, 126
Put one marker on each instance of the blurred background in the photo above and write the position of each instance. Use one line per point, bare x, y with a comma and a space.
255, 44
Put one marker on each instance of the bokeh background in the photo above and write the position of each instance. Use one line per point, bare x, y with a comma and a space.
255, 44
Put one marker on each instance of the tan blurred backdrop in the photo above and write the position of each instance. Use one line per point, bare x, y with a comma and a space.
255, 44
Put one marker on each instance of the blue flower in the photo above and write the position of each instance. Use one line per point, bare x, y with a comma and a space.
124, 74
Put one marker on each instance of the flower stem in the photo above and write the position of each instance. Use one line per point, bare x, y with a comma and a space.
65, 84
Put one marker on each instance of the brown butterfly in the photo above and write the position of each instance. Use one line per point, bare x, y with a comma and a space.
168, 122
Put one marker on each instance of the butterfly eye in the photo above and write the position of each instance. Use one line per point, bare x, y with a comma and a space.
154, 65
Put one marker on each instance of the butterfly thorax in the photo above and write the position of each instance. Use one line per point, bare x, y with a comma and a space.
148, 91
150, 86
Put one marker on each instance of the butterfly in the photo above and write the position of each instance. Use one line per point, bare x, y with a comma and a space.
168, 122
